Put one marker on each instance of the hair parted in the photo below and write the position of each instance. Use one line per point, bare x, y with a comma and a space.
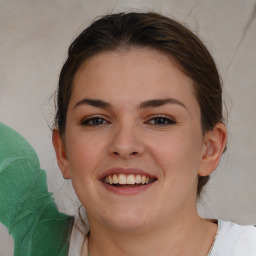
152, 30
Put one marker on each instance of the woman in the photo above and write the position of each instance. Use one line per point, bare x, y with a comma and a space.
139, 129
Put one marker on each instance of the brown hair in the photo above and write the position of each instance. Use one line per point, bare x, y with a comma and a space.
127, 30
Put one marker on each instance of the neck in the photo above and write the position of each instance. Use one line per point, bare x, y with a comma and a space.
185, 235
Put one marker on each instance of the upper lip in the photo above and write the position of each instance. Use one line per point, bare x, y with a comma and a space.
126, 171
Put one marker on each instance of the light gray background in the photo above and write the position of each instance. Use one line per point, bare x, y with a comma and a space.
35, 35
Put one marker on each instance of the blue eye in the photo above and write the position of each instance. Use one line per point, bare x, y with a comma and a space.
94, 121
160, 120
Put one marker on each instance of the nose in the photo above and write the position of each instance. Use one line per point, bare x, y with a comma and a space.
126, 143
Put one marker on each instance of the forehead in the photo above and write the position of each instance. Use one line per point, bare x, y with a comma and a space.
134, 74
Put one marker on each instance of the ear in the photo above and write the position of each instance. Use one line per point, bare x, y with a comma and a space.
214, 145
61, 155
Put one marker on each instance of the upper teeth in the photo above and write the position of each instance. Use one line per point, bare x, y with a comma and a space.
127, 179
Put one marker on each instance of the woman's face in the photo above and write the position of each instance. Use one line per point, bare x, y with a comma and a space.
132, 119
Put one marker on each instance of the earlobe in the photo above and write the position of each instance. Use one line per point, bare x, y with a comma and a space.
214, 145
61, 155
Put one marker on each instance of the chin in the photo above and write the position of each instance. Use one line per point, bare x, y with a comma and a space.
127, 219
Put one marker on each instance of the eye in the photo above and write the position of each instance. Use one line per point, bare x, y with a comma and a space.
161, 120
94, 121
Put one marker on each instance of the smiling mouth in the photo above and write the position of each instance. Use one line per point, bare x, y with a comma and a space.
128, 181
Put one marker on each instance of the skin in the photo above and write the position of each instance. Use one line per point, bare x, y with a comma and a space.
163, 218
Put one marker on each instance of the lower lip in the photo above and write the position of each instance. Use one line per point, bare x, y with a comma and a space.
127, 191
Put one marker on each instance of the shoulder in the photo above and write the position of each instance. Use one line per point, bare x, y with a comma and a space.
79, 239
234, 240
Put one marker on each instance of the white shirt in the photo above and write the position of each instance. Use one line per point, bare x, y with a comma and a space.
231, 240
234, 240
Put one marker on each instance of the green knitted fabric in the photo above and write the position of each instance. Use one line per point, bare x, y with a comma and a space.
27, 209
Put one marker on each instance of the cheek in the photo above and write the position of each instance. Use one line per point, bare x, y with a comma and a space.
83, 153
178, 156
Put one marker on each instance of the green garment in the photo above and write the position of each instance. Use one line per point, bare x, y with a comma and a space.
27, 209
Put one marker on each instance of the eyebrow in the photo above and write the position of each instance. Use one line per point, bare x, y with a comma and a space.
145, 104
160, 102
93, 102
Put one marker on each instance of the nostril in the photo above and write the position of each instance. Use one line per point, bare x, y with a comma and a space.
134, 153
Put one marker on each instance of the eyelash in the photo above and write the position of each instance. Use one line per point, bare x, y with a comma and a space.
91, 121
158, 121
164, 121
